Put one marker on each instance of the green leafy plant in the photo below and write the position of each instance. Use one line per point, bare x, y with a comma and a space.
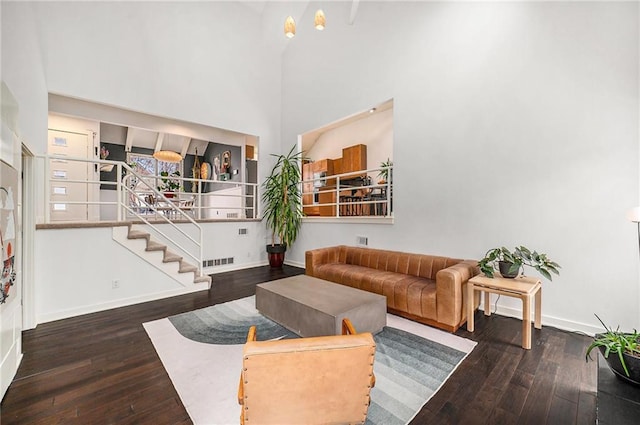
520, 256
167, 183
282, 198
386, 170
616, 342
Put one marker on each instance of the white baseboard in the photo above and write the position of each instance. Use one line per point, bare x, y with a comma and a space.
232, 267
65, 314
556, 322
73, 312
294, 263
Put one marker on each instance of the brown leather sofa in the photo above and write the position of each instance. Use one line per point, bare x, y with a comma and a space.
425, 288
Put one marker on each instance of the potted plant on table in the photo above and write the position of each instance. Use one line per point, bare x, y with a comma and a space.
168, 185
282, 198
510, 263
621, 350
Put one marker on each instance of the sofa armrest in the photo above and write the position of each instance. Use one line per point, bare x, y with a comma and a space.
316, 257
450, 293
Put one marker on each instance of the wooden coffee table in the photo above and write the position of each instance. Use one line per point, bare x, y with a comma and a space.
309, 306
522, 287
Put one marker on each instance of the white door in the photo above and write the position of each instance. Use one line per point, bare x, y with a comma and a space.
68, 178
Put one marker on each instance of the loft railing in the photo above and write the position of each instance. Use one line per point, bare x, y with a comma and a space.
72, 193
100, 198
354, 194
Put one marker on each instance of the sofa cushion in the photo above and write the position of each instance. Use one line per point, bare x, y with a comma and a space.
415, 295
393, 261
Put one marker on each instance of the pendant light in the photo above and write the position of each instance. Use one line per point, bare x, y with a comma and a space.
289, 27
167, 156
319, 21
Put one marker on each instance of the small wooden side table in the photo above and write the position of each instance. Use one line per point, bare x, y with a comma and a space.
522, 287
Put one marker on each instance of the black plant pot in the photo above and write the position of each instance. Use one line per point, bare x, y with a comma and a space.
276, 255
633, 365
505, 267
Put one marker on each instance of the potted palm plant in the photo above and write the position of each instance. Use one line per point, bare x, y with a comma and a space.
510, 262
385, 171
621, 350
282, 199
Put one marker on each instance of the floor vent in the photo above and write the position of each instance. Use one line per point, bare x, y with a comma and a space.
242, 231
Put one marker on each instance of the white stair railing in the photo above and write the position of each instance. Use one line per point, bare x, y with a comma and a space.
169, 209
189, 244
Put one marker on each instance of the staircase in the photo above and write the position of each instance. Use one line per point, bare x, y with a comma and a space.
158, 255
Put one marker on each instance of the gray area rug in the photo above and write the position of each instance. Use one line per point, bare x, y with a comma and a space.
409, 368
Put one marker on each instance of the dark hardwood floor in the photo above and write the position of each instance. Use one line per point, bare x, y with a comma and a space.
101, 368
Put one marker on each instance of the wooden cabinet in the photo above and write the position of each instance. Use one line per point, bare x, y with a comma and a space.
324, 166
327, 195
337, 166
309, 171
249, 152
354, 158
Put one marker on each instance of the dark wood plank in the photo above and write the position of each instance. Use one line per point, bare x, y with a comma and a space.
101, 368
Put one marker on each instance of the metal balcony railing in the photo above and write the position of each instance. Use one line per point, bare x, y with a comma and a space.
352, 194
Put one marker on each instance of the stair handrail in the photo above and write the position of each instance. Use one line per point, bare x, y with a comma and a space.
124, 188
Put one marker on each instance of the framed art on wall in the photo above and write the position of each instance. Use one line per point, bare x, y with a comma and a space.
8, 198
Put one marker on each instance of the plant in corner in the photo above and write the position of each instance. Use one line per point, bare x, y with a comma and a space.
621, 351
509, 263
282, 198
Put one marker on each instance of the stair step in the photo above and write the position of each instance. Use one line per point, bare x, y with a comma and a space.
187, 268
137, 234
168, 257
171, 256
204, 278
155, 246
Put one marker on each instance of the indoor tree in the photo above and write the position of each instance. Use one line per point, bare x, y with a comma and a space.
282, 204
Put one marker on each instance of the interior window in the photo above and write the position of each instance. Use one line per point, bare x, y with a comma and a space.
147, 165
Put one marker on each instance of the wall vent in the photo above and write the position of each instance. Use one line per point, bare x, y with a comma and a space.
232, 215
217, 262
242, 231
362, 240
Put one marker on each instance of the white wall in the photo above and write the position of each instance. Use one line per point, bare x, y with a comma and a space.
514, 123
375, 131
201, 62
76, 267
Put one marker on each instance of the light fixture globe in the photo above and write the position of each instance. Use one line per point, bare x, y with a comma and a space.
319, 21
167, 156
289, 27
